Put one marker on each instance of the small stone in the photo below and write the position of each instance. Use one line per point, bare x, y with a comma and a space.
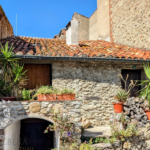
21, 113
127, 145
146, 103
126, 108
137, 105
144, 121
17, 108
85, 123
1, 114
147, 108
138, 117
137, 99
132, 113
24, 103
141, 111
140, 125
25, 107
35, 107
58, 108
132, 102
126, 104
16, 103
44, 111
145, 118
45, 104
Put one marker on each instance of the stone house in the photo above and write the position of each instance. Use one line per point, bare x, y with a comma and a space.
90, 67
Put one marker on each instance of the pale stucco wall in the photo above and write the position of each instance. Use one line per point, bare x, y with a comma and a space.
103, 19
93, 26
83, 26
99, 24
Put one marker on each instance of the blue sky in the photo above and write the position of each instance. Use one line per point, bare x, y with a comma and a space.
44, 18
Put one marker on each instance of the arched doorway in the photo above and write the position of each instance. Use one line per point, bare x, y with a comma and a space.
30, 127
32, 135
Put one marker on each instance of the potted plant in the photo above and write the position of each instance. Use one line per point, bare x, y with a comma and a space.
123, 94
68, 94
46, 93
145, 91
59, 95
12, 75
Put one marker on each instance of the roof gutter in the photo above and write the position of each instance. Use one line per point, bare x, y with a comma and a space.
95, 59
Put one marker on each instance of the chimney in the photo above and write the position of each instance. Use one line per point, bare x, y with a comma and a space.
72, 31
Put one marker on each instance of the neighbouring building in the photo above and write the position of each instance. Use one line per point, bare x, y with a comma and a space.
6, 29
97, 26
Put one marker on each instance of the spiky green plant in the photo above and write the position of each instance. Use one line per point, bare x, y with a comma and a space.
8, 60
12, 71
145, 91
122, 95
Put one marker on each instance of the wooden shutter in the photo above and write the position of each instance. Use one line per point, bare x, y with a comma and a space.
37, 75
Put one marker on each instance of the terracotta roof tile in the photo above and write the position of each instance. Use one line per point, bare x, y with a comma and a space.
58, 47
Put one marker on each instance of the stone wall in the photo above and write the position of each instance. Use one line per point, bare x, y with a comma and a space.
130, 22
94, 84
22, 110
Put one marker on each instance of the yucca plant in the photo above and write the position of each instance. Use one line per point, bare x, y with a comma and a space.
122, 95
12, 71
8, 60
145, 91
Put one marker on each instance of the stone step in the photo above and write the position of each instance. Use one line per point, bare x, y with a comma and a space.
102, 146
97, 132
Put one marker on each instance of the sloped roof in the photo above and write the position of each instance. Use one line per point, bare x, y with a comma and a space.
88, 49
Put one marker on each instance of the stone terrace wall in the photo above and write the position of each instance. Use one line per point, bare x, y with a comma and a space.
130, 22
95, 85
41, 110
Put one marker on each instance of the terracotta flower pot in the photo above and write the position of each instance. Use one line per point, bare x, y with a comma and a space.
47, 97
118, 107
148, 114
69, 96
60, 97
8, 98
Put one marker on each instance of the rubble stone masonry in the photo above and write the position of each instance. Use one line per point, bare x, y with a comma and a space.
130, 22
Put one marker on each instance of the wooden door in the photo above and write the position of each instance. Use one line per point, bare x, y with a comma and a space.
32, 136
133, 75
37, 75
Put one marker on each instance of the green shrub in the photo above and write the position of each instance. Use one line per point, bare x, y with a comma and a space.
67, 91
26, 94
45, 90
